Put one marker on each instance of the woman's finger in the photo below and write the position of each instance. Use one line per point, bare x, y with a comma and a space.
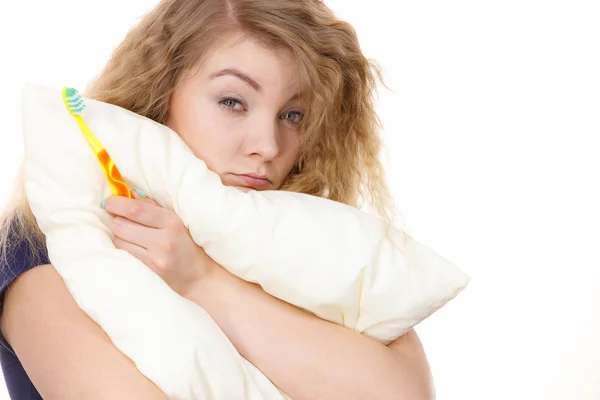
132, 232
138, 210
138, 252
140, 195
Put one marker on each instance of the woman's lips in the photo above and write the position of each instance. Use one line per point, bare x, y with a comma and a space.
253, 181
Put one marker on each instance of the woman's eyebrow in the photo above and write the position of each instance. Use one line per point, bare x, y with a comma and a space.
239, 74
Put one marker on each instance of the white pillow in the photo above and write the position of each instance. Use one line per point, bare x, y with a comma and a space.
342, 264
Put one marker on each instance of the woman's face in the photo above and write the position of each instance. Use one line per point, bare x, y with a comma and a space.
240, 113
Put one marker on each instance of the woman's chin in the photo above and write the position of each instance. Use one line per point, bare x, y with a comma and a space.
244, 188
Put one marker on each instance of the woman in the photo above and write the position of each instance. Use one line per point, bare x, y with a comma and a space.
271, 94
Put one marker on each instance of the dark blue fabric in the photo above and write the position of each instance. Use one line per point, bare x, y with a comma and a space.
20, 259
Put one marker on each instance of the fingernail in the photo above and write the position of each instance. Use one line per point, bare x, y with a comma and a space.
103, 203
140, 192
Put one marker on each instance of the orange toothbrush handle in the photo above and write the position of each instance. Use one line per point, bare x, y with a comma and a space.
115, 180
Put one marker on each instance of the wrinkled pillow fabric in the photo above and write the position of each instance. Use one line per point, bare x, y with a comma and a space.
340, 263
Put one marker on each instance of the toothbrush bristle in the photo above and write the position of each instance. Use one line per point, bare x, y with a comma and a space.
74, 101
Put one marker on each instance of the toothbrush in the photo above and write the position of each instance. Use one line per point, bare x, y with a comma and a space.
75, 105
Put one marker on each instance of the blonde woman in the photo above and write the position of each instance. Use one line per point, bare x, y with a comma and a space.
271, 94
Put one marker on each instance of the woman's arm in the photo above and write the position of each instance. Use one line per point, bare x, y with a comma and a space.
309, 358
64, 352
306, 357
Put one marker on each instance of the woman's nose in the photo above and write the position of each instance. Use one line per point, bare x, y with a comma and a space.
263, 141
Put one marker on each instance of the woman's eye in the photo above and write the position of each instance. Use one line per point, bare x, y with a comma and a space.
232, 104
294, 116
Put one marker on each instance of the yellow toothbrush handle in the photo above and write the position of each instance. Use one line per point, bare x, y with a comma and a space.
115, 180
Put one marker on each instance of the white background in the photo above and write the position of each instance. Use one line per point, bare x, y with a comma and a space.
493, 131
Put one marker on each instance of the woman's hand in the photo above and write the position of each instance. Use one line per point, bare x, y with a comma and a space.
158, 238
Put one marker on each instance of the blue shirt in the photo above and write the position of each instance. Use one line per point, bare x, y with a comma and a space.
20, 259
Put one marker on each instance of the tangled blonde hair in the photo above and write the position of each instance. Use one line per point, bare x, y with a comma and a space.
341, 142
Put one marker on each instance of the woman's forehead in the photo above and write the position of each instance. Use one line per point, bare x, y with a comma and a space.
251, 60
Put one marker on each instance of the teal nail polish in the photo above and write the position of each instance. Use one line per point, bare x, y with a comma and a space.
103, 203
140, 192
